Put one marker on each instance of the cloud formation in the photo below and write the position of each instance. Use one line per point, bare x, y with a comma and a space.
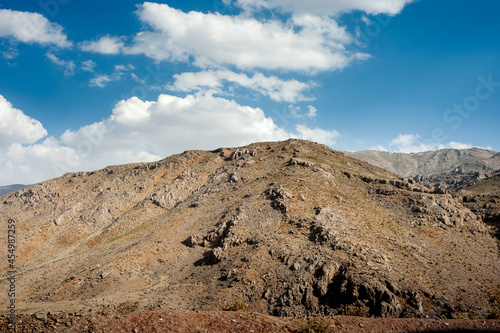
316, 134
29, 27
102, 80
311, 44
15, 126
104, 45
326, 7
136, 131
413, 143
67, 65
290, 91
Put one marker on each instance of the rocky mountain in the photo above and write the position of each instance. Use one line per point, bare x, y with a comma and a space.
450, 169
483, 198
287, 228
11, 188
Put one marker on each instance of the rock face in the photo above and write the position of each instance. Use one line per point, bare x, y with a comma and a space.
289, 228
451, 169
483, 199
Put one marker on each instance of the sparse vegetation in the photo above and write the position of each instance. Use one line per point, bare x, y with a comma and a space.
258, 243
235, 305
315, 325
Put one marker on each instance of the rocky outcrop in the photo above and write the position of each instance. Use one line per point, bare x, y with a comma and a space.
288, 228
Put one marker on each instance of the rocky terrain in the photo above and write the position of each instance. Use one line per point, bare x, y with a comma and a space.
289, 229
11, 188
238, 321
451, 169
483, 198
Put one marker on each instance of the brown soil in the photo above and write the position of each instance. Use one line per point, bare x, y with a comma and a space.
220, 321
289, 229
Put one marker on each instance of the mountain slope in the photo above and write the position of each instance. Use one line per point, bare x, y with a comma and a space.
446, 168
11, 188
432, 162
288, 228
483, 198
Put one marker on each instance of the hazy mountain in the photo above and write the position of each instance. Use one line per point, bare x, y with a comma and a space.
290, 228
11, 188
446, 168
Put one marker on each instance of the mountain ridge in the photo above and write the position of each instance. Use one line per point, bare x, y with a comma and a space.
288, 228
447, 168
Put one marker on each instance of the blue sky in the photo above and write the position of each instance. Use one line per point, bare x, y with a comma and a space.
86, 84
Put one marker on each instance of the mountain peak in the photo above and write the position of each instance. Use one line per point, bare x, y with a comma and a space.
288, 228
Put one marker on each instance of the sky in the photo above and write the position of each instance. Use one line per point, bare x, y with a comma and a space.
87, 84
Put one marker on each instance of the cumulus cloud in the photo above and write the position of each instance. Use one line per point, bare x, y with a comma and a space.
327, 7
136, 131
291, 91
312, 44
316, 134
105, 45
67, 65
173, 124
29, 27
15, 126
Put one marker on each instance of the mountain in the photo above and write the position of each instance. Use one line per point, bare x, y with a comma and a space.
11, 188
483, 198
288, 228
487, 186
447, 168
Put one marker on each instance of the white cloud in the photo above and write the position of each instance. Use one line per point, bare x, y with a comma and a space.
15, 126
379, 148
405, 140
138, 131
88, 66
412, 143
459, 145
328, 7
102, 80
291, 91
312, 112
11, 52
316, 134
105, 45
311, 44
141, 130
137, 79
68, 66
31, 28
124, 68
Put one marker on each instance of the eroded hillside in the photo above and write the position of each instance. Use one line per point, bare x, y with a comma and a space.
287, 228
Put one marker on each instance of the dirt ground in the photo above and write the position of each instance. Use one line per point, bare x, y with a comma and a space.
221, 321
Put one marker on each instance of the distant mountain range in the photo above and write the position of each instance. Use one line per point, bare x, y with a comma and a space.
11, 188
451, 169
